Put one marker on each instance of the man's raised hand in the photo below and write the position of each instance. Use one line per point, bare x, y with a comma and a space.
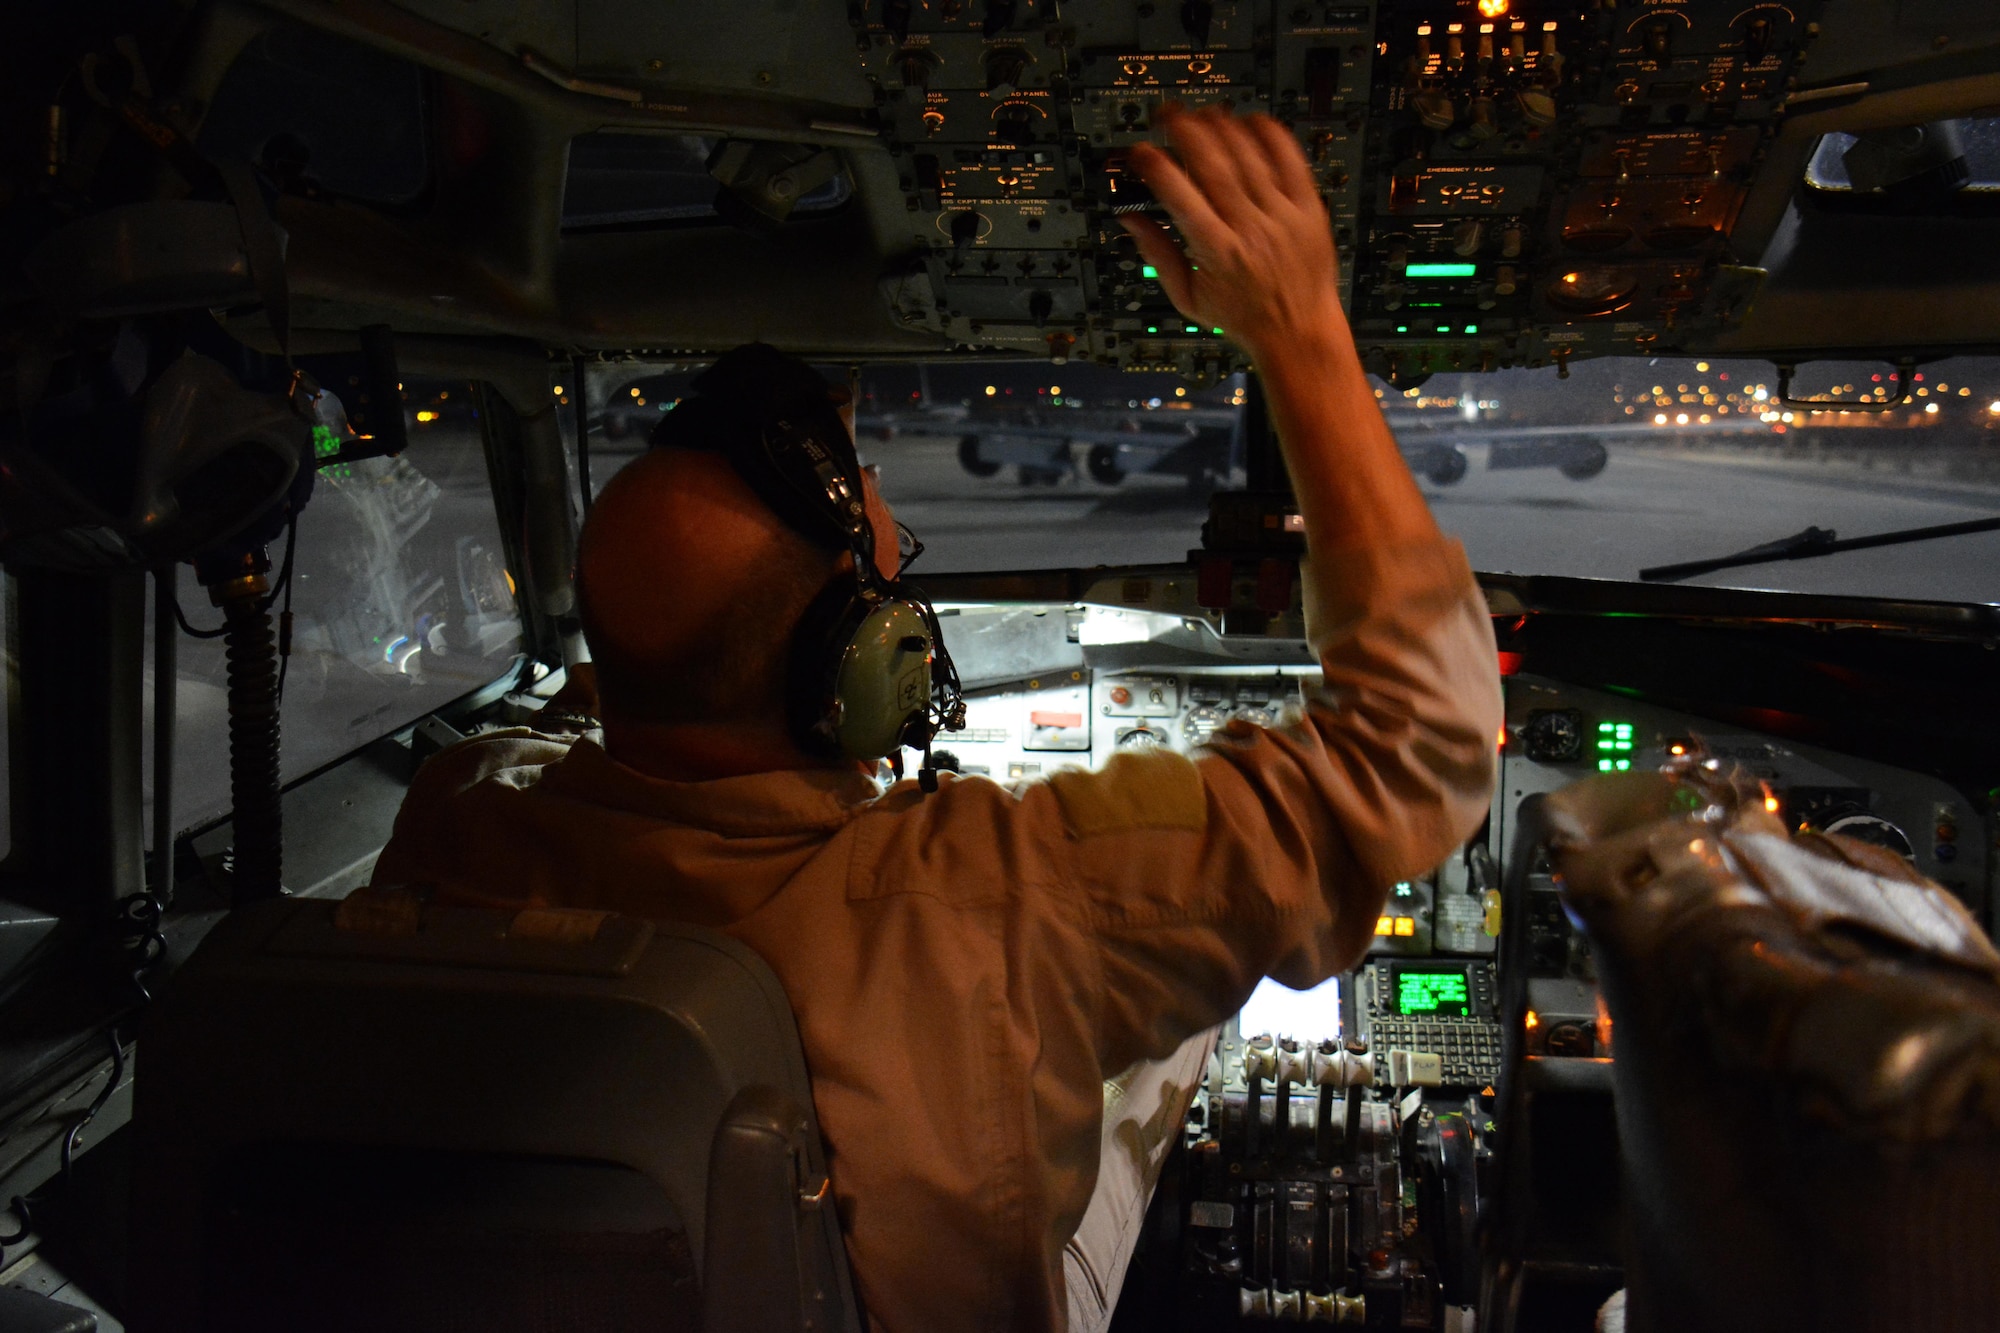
1259, 259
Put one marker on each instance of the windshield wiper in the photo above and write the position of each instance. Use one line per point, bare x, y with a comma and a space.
1810, 544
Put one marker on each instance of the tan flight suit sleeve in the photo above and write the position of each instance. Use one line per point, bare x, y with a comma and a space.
1272, 852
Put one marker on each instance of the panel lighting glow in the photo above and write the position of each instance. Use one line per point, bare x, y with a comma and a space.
1441, 270
1279, 1011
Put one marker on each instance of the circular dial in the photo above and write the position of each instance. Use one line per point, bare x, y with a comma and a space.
1262, 715
1875, 830
1142, 738
1201, 722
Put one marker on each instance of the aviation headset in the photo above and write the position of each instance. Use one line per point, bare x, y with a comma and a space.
867, 670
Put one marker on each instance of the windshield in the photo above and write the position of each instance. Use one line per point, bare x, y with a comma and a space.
1626, 463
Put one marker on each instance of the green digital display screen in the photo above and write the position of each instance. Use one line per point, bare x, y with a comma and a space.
1428, 993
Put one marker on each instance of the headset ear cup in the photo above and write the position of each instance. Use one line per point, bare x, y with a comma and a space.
812, 676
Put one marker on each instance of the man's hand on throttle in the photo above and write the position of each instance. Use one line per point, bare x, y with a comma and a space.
1259, 259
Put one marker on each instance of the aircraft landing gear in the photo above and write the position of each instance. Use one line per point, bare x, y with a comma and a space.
972, 460
1102, 464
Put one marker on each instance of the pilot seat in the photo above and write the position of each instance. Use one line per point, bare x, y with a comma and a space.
388, 1115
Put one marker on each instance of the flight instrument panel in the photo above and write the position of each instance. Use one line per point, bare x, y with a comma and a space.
1333, 1158
1510, 182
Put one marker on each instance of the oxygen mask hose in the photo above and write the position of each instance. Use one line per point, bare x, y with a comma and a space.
252, 652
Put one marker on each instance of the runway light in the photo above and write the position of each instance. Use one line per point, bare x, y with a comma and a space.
1659, 418
558, 390
635, 392
1993, 408
1930, 407
1701, 365
1681, 419
991, 390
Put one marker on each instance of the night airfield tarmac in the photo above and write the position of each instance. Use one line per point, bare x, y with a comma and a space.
1649, 506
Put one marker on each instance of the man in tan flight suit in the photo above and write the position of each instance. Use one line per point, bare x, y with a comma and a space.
969, 968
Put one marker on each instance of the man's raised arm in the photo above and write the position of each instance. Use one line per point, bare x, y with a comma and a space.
1259, 262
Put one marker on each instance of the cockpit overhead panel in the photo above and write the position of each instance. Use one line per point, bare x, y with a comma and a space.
1511, 182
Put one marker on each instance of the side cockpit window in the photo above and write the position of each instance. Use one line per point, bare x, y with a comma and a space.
402, 602
1932, 163
623, 179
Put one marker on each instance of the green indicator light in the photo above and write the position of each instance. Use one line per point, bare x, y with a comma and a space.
1604, 726
1624, 745
1604, 765
1194, 328
1472, 328
1149, 272
1402, 328
1152, 328
1216, 332
1624, 728
1605, 745
1624, 764
1426, 305
1444, 328
1441, 270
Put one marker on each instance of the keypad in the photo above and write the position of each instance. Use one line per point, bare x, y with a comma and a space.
1469, 1047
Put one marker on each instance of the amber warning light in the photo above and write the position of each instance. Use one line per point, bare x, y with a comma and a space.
1492, 9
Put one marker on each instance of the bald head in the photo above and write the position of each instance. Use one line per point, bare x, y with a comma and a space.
690, 588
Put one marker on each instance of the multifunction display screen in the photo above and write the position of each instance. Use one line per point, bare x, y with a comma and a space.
1429, 993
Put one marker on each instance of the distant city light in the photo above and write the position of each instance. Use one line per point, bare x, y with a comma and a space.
1993, 408
1660, 419
1701, 365
1761, 393
1179, 392
991, 390
1055, 388
558, 390
1681, 420
1930, 407
1706, 418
